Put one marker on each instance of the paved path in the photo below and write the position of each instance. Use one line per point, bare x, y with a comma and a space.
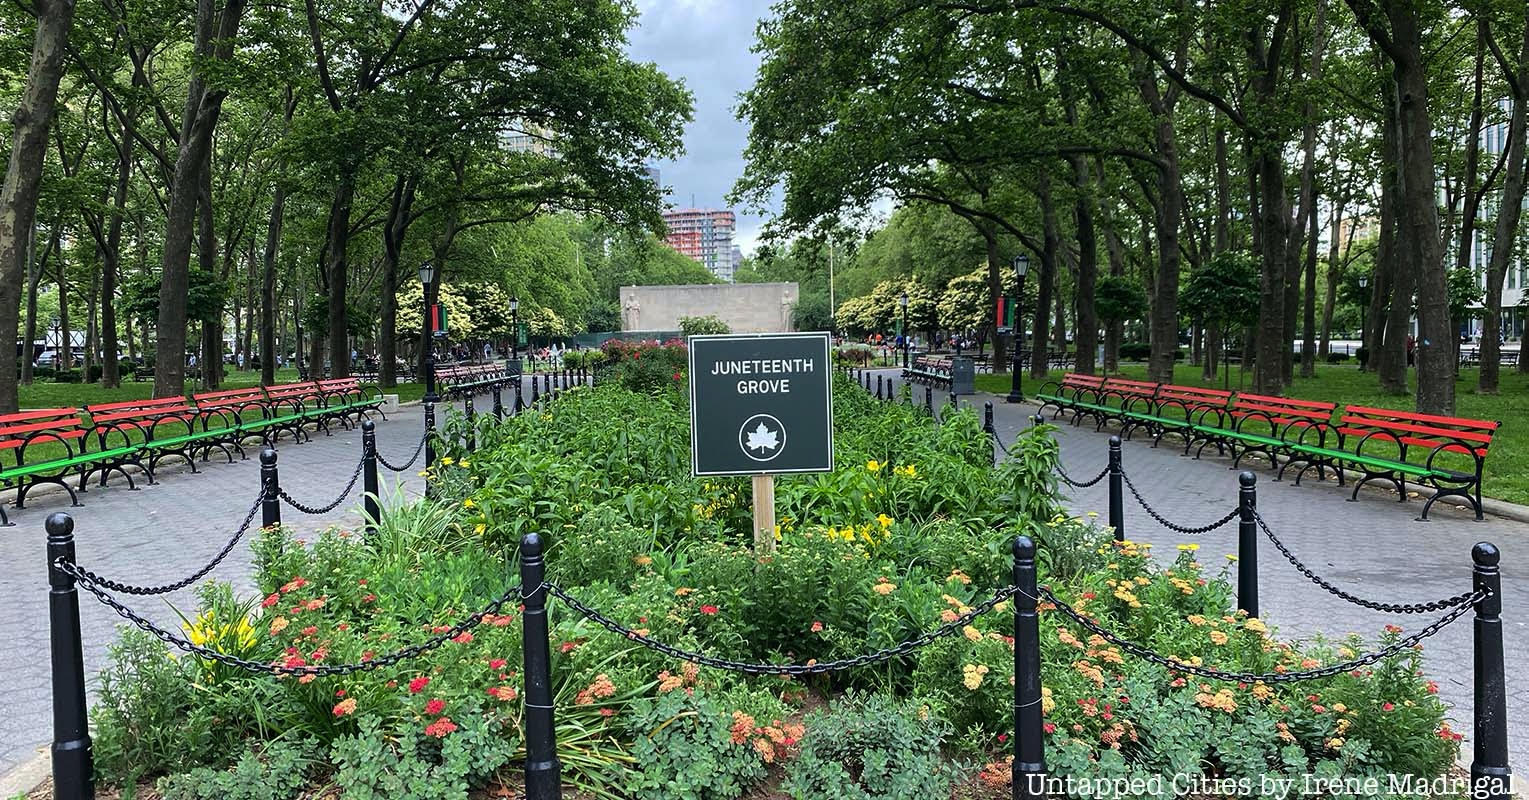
1372, 548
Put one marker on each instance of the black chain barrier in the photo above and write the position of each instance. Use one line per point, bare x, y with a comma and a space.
354, 476
1401, 645
85, 581
127, 588
1161, 520
412, 459
1081, 485
747, 668
1388, 608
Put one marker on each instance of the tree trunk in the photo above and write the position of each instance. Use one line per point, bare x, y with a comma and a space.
1309, 335
1510, 211
994, 287
64, 347
268, 287
1420, 221
1334, 277
214, 39
36, 268
1163, 315
18, 195
336, 260
111, 263
1270, 343
207, 257
392, 240
1045, 282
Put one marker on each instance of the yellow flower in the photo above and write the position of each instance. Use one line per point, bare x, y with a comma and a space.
1262, 691
1048, 705
1335, 743
1092, 514
480, 528
468, 503
886, 521
1255, 625
463, 463
971, 633
424, 473
972, 674
873, 465
1340, 708
884, 588
1218, 637
447, 461
643, 561
1189, 548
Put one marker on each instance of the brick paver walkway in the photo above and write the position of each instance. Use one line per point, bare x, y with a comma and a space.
1372, 548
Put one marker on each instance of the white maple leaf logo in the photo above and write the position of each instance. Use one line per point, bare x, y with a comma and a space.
762, 439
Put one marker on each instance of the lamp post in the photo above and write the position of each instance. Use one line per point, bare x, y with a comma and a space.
1016, 388
903, 303
427, 282
1364, 311
514, 327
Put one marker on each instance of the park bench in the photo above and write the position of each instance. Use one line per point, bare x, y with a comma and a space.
471, 379
1256, 423
1182, 410
55, 438
349, 398
929, 371
297, 405
1445, 453
1067, 394
155, 430
244, 413
1130, 402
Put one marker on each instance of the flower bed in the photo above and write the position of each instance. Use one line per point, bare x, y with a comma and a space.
911, 530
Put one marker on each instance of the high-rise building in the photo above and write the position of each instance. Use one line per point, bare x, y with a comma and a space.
652, 173
530, 138
737, 258
1515, 287
705, 235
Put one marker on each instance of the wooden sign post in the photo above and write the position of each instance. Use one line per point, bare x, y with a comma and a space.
761, 405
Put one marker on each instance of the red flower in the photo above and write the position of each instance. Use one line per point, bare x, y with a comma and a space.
371, 598
1386, 707
817, 627
676, 376
607, 712
709, 610
441, 728
1003, 737
463, 638
435, 706
418, 684
310, 630
1433, 688
1393, 629
496, 664
1049, 727
271, 600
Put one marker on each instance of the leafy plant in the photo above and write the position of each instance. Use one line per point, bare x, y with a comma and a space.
872, 747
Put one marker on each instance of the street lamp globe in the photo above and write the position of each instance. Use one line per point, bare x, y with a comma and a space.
1021, 265
514, 304
427, 273
1364, 281
903, 301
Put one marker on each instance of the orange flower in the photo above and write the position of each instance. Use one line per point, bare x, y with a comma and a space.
441, 728
346, 706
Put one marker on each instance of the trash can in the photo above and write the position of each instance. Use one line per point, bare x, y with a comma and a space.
963, 375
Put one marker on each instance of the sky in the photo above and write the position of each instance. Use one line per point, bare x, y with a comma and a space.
706, 44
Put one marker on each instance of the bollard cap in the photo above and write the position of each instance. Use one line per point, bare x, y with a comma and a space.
1114, 442
267, 456
1024, 548
61, 526
367, 426
1485, 554
1247, 479
530, 545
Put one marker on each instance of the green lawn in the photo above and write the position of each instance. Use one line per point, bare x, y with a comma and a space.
1507, 470
46, 394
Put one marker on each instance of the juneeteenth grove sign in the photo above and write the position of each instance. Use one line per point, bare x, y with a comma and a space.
760, 404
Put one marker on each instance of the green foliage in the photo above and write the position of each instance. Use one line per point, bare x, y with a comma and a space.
375, 764
871, 747
1118, 298
278, 771
685, 749
700, 326
1223, 291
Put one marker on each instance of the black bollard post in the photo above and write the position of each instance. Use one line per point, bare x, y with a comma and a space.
1037, 421
929, 400
547, 384
371, 504
498, 402
543, 781
1029, 734
1247, 544
270, 504
990, 429
520, 385
73, 772
1491, 777
1117, 490
472, 423
429, 444
536, 395
878, 387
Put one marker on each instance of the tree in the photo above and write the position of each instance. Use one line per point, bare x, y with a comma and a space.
1118, 300
18, 195
1224, 292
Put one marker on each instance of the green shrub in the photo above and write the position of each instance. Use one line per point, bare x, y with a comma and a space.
701, 326
871, 747
279, 771
686, 749
1337, 358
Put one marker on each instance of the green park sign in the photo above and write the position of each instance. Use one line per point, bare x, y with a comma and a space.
760, 404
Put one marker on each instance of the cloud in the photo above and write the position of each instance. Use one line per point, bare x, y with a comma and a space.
706, 44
